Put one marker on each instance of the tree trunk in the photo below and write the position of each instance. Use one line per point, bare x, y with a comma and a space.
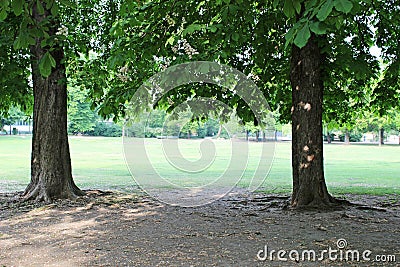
381, 136
347, 137
257, 135
309, 187
51, 176
247, 135
328, 138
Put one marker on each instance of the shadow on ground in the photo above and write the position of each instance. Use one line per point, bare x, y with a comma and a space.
115, 229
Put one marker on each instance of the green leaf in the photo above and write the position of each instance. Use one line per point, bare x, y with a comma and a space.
43, 43
52, 61
191, 28
17, 6
297, 6
23, 40
4, 4
17, 43
49, 4
318, 27
325, 10
45, 64
288, 8
39, 6
344, 6
212, 28
235, 36
290, 34
170, 40
302, 36
3, 15
310, 5
54, 10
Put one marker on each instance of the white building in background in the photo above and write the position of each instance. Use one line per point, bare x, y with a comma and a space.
21, 126
368, 137
394, 139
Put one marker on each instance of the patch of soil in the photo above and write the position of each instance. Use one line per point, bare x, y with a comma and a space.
116, 229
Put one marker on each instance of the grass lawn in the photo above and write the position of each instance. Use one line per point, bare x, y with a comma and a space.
99, 163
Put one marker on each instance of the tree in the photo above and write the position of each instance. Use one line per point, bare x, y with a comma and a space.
309, 187
326, 52
374, 122
326, 47
212, 128
14, 67
41, 31
81, 118
51, 175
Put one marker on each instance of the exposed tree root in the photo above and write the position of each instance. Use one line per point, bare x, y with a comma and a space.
327, 202
41, 193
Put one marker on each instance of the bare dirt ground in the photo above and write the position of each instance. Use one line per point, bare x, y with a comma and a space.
115, 229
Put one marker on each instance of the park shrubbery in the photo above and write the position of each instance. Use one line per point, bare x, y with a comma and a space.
107, 129
354, 137
332, 135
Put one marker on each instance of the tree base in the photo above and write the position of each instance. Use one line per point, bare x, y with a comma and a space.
40, 193
326, 202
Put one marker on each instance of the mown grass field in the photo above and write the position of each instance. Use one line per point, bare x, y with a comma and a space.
99, 163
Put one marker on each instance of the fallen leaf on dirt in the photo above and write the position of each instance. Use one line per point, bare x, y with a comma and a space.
321, 228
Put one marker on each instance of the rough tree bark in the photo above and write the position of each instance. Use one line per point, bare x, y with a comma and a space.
309, 187
51, 176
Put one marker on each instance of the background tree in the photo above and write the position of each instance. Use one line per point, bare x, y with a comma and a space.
13, 115
81, 118
377, 124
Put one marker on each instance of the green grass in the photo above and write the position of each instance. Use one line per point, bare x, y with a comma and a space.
99, 163
355, 168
